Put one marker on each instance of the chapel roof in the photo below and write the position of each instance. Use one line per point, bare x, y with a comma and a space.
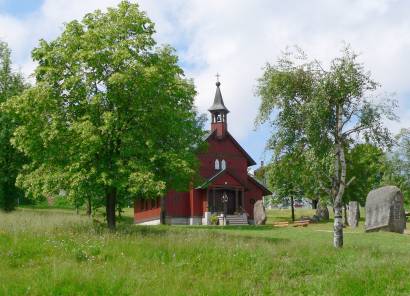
218, 104
250, 160
266, 191
211, 179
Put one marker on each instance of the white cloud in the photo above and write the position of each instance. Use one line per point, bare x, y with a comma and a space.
237, 37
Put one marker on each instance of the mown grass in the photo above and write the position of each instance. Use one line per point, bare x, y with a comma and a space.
60, 253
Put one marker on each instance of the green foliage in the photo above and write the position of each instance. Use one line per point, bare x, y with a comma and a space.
111, 114
366, 165
398, 165
324, 112
11, 84
214, 219
299, 98
284, 177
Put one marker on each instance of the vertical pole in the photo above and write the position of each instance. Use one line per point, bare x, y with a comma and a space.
213, 206
236, 200
243, 199
207, 201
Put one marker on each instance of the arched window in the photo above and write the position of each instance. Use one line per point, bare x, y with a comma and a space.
223, 164
216, 164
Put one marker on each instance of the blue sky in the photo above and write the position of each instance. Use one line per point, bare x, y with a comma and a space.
236, 38
19, 8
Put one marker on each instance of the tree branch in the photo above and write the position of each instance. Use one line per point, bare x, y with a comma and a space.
350, 181
354, 130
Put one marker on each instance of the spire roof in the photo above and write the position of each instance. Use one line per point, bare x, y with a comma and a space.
218, 104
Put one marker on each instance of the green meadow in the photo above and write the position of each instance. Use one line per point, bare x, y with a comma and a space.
57, 252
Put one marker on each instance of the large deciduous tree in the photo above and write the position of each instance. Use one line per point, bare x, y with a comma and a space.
323, 111
11, 84
111, 116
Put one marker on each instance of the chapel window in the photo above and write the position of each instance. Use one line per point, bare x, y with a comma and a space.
217, 167
223, 164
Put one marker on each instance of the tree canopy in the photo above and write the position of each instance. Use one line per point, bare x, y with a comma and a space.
323, 111
111, 114
11, 85
397, 169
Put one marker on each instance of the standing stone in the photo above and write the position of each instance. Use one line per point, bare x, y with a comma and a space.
322, 212
259, 214
353, 214
385, 210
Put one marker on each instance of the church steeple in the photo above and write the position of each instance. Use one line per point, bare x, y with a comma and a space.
219, 113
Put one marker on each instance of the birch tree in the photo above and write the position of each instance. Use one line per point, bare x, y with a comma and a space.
323, 110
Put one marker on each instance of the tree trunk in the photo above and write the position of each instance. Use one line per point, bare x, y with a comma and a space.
292, 208
340, 183
162, 213
338, 224
314, 203
89, 207
111, 199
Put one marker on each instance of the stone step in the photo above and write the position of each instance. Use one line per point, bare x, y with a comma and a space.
238, 223
234, 220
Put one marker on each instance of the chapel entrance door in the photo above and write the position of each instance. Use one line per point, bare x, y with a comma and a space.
231, 206
217, 204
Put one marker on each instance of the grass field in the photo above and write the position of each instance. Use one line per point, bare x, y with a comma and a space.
56, 252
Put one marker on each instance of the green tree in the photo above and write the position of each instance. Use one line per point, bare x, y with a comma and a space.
397, 171
11, 84
111, 116
323, 111
366, 165
283, 176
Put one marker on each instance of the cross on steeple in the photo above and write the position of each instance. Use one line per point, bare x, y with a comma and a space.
217, 77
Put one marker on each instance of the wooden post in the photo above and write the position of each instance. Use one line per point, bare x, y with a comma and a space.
207, 200
213, 206
243, 199
236, 200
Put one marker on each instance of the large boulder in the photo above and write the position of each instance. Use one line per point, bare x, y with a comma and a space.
353, 214
322, 212
259, 214
385, 210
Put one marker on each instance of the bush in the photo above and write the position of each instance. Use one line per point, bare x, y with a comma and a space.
214, 219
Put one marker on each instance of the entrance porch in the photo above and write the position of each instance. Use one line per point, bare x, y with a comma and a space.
225, 200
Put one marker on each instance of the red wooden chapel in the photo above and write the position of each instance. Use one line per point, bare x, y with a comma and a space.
227, 190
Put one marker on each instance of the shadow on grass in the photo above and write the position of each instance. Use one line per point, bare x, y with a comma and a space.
126, 220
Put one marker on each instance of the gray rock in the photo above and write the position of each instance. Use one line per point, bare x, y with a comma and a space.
259, 214
353, 214
322, 212
384, 210
315, 219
